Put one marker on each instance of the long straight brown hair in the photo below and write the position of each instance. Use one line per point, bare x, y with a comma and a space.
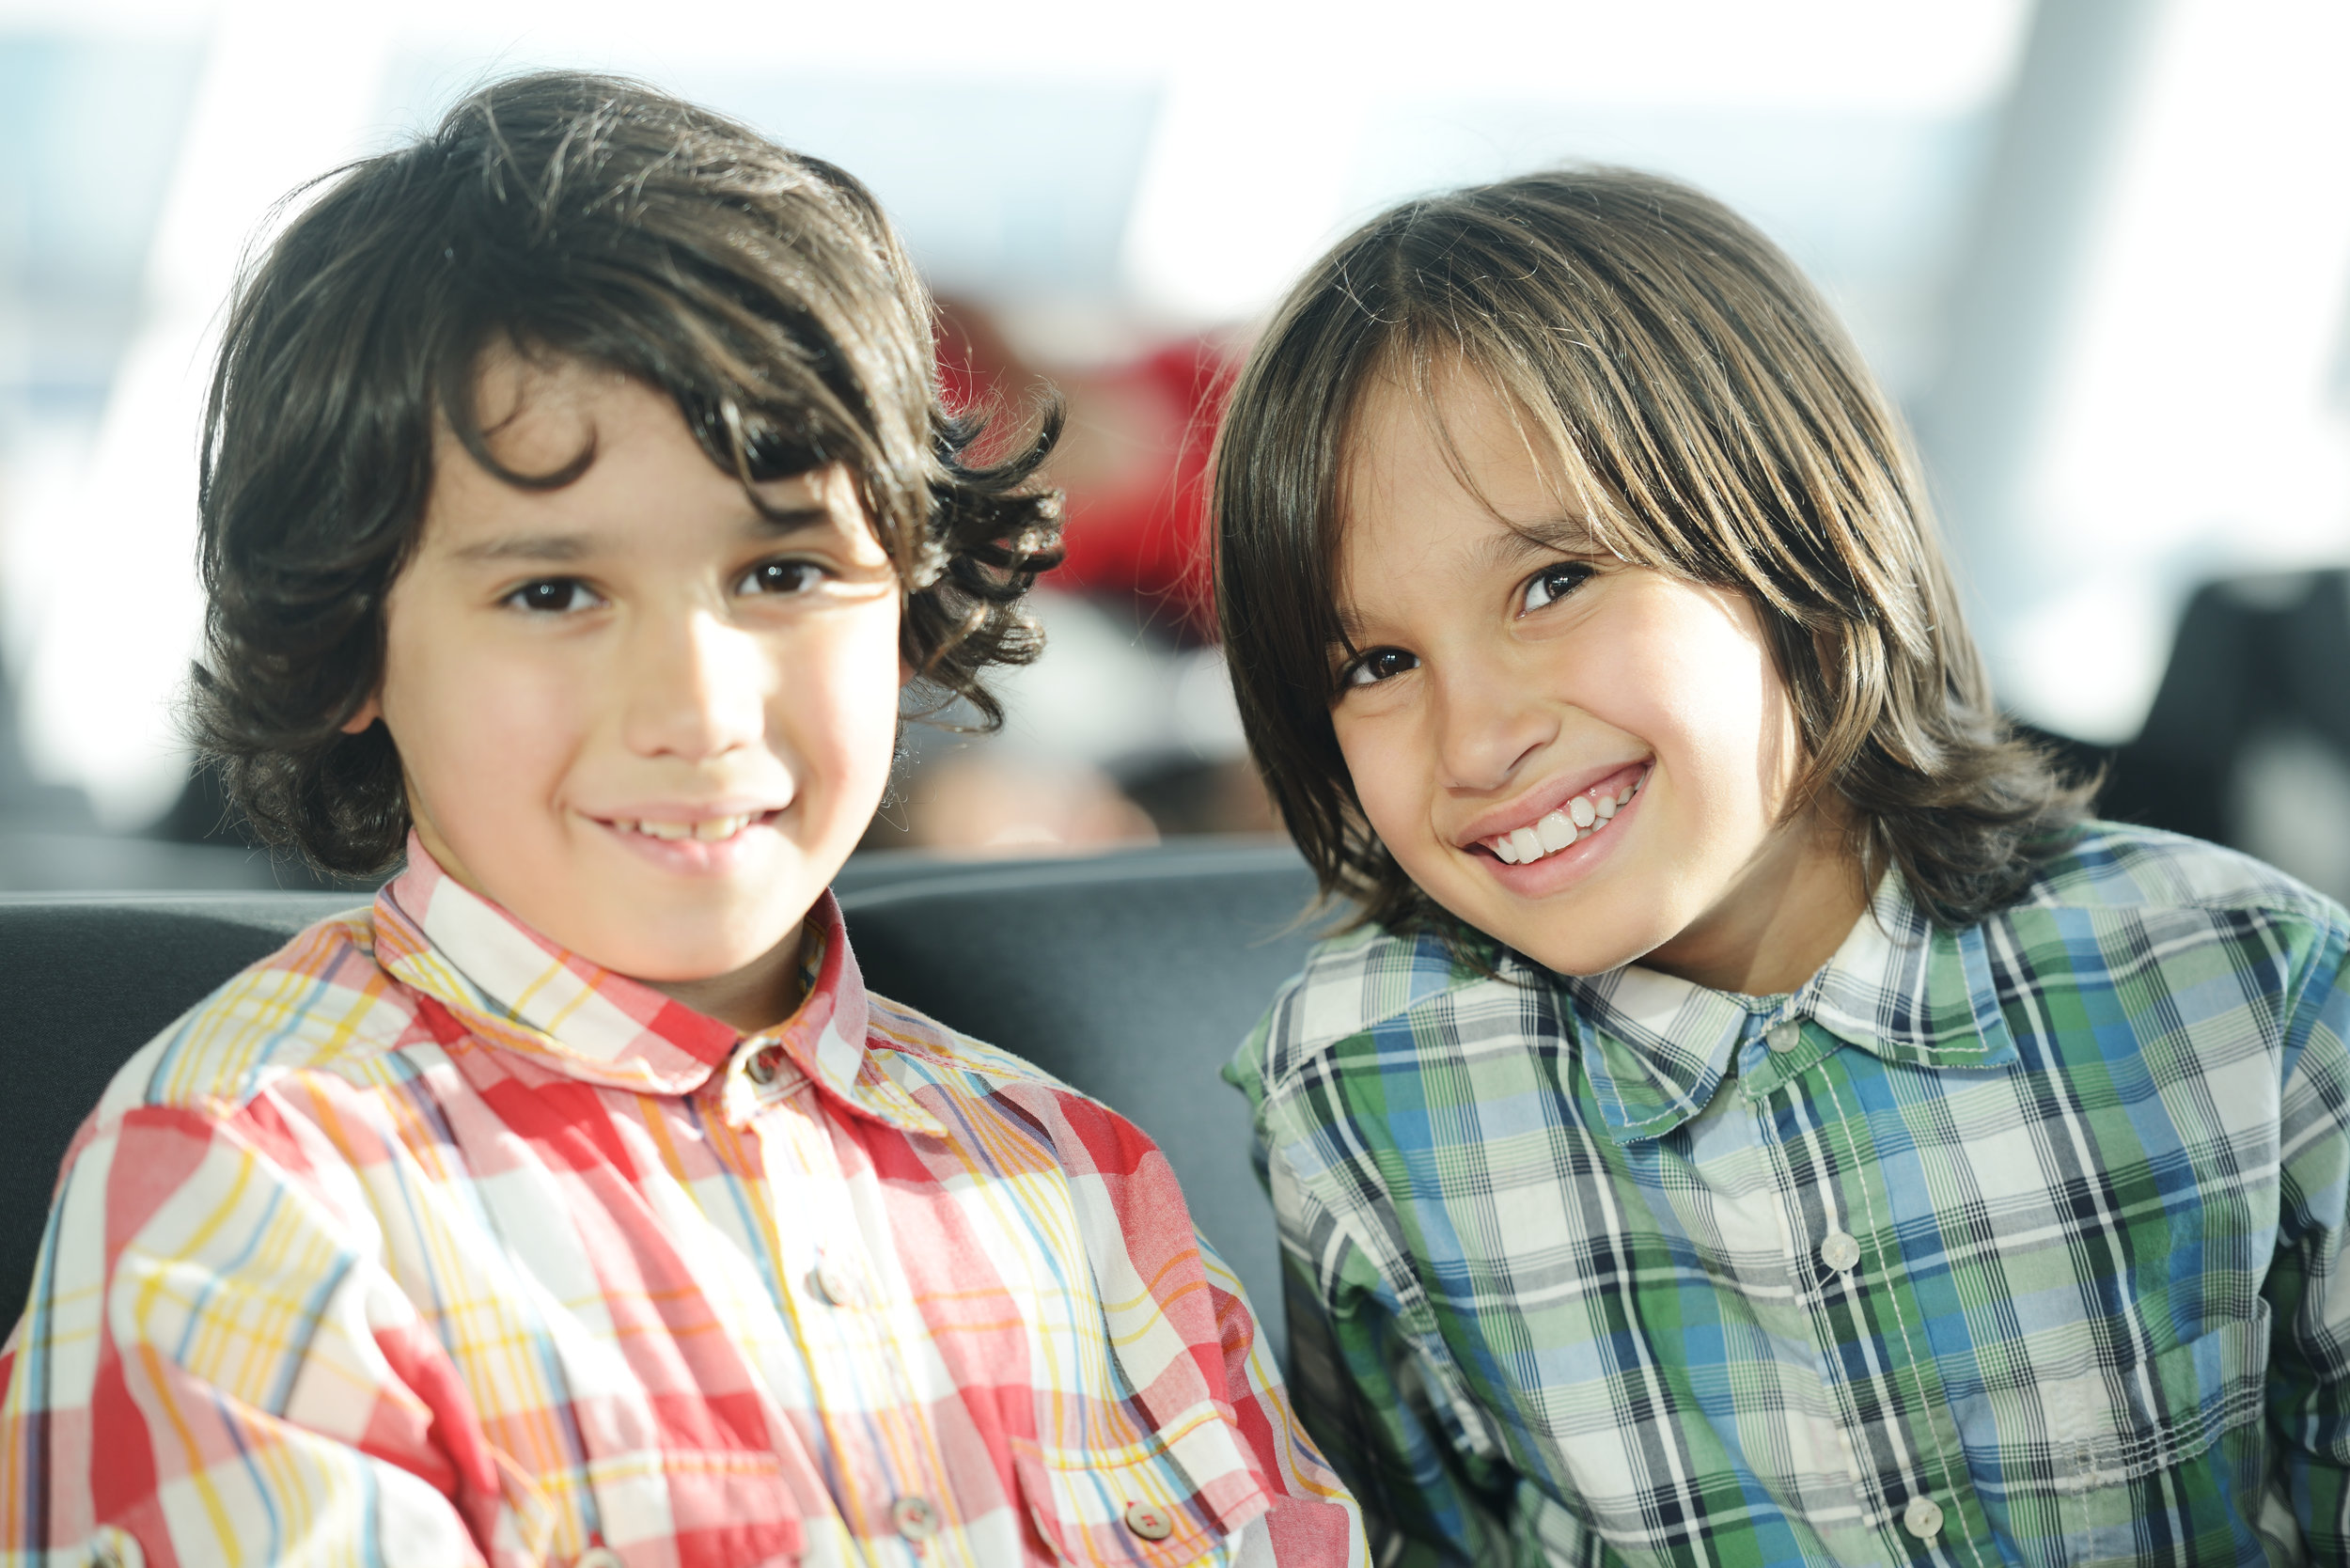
1708, 418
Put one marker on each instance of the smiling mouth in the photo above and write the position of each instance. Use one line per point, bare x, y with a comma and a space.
707, 830
1577, 819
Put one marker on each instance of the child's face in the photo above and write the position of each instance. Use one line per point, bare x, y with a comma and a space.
1622, 736
647, 720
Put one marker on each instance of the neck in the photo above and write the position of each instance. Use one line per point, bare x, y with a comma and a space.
759, 996
1784, 916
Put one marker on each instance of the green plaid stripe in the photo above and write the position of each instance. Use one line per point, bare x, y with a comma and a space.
2029, 1232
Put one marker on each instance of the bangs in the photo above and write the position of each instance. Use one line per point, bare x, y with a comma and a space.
749, 443
1431, 367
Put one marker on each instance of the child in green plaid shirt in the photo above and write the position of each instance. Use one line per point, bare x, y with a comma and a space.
1757, 1118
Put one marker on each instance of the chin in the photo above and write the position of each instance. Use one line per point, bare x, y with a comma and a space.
1584, 964
1566, 956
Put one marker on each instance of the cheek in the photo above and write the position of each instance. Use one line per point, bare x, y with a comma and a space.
483, 734
1714, 706
1388, 768
837, 699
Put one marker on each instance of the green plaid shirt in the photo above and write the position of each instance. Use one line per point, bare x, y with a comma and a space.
2017, 1244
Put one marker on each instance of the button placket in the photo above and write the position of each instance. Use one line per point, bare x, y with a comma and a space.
1823, 1178
1929, 1430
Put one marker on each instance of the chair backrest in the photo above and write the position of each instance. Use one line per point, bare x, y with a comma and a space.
89, 978
1132, 978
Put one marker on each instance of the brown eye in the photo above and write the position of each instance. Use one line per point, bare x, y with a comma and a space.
1380, 664
780, 577
1554, 583
553, 596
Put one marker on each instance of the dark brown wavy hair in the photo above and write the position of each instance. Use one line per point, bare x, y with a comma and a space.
1709, 418
563, 216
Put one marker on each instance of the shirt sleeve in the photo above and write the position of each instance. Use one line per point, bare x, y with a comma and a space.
1312, 1519
2309, 1297
212, 1365
1354, 1373
1426, 1496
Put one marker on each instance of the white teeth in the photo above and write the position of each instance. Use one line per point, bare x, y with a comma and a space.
709, 830
1571, 823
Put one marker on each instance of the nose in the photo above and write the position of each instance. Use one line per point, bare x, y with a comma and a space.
694, 688
1488, 724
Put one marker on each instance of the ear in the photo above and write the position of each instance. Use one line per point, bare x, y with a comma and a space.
369, 710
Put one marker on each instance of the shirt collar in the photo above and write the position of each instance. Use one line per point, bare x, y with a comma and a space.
1899, 987
514, 989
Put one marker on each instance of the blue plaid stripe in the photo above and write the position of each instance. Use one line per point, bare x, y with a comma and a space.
2031, 1233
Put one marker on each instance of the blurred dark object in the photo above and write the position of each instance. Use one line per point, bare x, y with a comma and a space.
1186, 796
992, 801
2247, 742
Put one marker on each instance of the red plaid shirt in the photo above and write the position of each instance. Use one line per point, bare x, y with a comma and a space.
423, 1241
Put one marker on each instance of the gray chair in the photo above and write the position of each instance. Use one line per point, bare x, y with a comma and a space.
1131, 976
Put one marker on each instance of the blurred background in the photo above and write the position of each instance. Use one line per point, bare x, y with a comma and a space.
2099, 250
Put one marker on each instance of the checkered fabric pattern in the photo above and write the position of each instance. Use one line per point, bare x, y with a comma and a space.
2018, 1244
424, 1242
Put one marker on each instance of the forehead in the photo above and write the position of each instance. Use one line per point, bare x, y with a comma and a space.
1445, 480
635, 471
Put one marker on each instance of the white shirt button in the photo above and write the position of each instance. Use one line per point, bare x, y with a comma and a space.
1784, 1036
1150, 1524
598, 1556
1840, 1252
916, 1519
1923, 1518
112, 1547
766, 1063
833, 1285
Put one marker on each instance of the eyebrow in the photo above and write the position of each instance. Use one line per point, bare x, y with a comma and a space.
561, 548
1518, 543
1560, 534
